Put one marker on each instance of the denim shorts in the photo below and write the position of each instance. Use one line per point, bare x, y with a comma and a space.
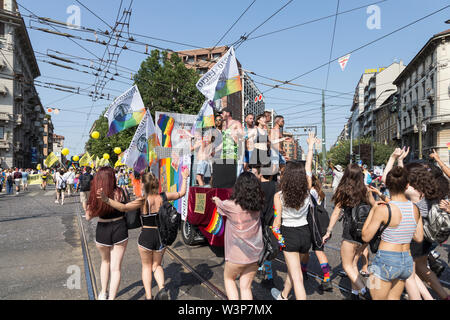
390, 265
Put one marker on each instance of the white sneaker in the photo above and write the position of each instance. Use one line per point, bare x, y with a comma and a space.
62, 203
276, 294
102, 296
56, 201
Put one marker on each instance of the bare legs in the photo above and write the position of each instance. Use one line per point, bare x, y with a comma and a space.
151, 263
111, 264
349, 251
246, 272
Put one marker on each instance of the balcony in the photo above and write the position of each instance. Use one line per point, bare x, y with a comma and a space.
430, 93
18, 119
4, 116
439, 119
4, 145
414, 103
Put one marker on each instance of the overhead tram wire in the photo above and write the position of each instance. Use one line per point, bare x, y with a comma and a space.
314, 20
368, 44
244, 38
332, 44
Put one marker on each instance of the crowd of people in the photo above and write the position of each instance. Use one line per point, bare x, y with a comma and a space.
270, 192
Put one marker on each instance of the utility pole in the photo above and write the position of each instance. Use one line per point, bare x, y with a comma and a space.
324, 149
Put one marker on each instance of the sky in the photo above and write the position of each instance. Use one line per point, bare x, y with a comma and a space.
283, 55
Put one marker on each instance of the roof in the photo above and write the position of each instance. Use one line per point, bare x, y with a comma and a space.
419, 54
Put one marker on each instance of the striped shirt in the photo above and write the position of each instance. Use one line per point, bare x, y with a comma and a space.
404, 232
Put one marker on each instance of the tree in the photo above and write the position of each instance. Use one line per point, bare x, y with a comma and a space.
340, 154
165, 84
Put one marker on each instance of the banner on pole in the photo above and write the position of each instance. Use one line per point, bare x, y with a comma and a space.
126, 111
223, 79
343, 61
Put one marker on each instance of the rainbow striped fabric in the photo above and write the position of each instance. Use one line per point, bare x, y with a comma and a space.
227, 87
215, 226
126, 121
166, 123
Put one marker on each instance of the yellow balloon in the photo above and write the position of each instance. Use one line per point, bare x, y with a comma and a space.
95, 135
117, 150
76, 158
65, 151
105, 156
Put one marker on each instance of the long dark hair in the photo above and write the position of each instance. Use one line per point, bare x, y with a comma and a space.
247, 192
421, 179
293, 185
105, 179
351, 190
317, 185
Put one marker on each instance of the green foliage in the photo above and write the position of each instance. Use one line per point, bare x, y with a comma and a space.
165, 84
340, 154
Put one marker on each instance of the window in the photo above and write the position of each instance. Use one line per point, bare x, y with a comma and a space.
2, 29
423, 90
432, 80
2, 132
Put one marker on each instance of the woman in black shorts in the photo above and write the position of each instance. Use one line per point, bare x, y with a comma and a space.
350, 193
111, 235
292, 207
151, 249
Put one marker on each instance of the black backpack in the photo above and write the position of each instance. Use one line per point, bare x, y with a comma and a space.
169, 221
85, 182
358, 218
436, 226
318, 221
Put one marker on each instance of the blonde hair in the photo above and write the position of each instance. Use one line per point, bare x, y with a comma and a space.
150, 182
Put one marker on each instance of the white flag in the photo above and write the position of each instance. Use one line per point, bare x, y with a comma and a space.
343, 61
223, 79
141, 152
126, 111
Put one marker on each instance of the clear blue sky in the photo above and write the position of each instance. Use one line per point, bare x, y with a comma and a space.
282, 55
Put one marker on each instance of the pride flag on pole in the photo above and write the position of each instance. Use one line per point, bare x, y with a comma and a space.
223, 79
166, 123
126, 111
205, 118
141, 154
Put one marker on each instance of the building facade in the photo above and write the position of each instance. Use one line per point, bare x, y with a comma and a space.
386, 122
48, 136
290, 147
424, 95
58, 145
21, 112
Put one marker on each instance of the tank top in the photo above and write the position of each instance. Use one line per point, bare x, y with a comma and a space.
404, 232
291, 217
149, 220
229, 146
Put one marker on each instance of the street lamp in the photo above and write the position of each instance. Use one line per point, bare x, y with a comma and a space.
372, 142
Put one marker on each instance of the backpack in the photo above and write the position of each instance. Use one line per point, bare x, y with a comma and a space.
169, 221
357, 220
85, 182
63, 184
9, 178
436, 226
318, 220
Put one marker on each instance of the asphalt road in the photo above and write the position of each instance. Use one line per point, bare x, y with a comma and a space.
42, 257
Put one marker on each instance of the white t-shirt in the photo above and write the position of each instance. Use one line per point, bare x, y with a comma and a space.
69, 177
336, 179
291, 217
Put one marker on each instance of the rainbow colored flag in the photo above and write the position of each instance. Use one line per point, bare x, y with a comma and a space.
223, 79
126, 111
140, 154
166, 123
215, 226
205, 118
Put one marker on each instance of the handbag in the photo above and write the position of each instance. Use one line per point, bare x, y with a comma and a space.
132, 218
271, 246
375, 242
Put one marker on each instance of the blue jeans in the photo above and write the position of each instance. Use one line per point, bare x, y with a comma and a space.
390, 265
9, 188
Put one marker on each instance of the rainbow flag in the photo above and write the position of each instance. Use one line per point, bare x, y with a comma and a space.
140, 154
205, 118
126, 111
215, 226
166, 123
223, 79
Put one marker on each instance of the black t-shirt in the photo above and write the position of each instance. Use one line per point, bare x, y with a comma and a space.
269, 188
85, 182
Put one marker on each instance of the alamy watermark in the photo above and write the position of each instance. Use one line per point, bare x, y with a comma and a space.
74, 280
74, 20
374, 20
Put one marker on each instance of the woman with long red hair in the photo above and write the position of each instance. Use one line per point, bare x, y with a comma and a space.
111, 233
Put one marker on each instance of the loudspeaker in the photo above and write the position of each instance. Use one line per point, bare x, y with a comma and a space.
224, 175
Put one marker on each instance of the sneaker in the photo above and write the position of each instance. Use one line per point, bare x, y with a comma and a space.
102, 296
268, 283
56, 201
326, 286
260, 274
276, 294
353, 297
342, 273
163, 294
367, 295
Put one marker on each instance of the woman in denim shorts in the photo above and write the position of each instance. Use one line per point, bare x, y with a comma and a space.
393, 263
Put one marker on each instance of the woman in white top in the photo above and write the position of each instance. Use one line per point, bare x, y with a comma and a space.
292, 206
